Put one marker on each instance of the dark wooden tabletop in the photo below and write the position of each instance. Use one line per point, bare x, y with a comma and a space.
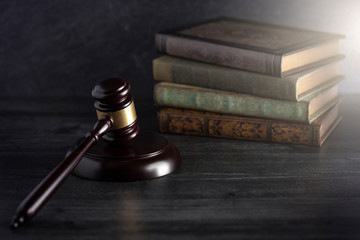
225, 189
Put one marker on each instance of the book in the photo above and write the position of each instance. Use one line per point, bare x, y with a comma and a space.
252, 46
185, 96
294, 87
190, 122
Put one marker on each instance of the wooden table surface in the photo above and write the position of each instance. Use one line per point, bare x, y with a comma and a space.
225, 189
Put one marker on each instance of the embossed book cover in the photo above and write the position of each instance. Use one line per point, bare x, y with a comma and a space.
190, 122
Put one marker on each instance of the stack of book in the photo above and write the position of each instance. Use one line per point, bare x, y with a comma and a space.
240, 79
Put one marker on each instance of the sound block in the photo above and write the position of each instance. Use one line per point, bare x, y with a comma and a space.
149, 155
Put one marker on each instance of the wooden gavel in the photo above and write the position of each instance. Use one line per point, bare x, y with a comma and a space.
115, 150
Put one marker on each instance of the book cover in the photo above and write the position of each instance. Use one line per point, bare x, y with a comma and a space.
190, 122
252, 46
294, 87
204, 99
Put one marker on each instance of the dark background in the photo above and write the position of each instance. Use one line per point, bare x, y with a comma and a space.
51, 55
62, 48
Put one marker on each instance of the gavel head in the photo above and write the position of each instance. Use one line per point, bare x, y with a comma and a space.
113, 99
140, 155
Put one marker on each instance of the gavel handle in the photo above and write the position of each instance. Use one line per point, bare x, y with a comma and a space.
47, 187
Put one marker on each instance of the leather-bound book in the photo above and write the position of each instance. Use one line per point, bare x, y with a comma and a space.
294, 87
190, 122
205, 99
252, 46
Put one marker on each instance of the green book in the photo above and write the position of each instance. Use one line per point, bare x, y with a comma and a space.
190, 97
294, 87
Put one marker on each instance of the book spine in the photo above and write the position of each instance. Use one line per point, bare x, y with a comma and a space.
250, 60
222, 78
174, 95
242, 128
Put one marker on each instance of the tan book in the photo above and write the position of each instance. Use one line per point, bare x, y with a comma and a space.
294, 87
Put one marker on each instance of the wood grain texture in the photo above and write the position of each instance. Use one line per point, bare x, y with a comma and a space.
225, 188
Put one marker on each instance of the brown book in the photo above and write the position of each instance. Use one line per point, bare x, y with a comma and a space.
189, 122
252, 46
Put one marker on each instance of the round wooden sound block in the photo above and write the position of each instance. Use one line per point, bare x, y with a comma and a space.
149, 155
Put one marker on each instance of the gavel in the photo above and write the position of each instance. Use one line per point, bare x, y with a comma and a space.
115, 150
